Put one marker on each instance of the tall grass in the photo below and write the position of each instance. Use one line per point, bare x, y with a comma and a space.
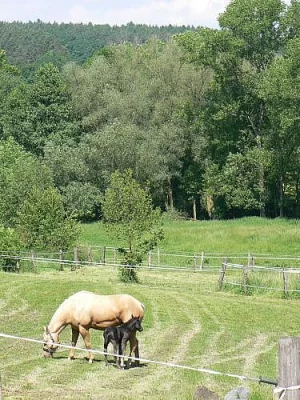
257, 235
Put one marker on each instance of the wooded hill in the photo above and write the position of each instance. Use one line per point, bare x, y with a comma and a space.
209, 118
29, 45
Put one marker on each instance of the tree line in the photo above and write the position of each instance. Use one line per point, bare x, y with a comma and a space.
30, 45
208, 120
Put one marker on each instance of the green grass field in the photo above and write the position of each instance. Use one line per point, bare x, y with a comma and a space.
187, 322
277, 236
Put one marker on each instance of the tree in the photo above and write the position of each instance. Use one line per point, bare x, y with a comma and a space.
233, 118
9, 244
42, 222
131, 99
82, 201
280, 89
128, 212
19, 172
9, 78
41, 111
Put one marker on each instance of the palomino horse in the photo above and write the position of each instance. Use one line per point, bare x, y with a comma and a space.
85, 310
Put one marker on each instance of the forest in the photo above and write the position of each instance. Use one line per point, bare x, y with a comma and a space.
208, 119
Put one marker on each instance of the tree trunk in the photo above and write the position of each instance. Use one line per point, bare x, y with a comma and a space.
262, 211
297, 200
170, 200
210, 206
281, 197
194, 210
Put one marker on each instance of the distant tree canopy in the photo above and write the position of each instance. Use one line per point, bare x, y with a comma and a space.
208, 118
30, 45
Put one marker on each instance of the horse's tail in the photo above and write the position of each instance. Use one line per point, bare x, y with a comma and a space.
143, 308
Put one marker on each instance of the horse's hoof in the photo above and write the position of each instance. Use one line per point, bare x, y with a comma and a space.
90, 361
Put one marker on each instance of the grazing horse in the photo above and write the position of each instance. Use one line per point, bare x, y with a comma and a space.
118, 336
85, 310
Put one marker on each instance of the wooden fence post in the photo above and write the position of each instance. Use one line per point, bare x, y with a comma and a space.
18, 265
75, 265
202, 261
249, 260
285, 275
103, 255
33, 262
288, 368
89, 255
222, 274
61, 268
158, 257
245, 279
195, 263
149, 259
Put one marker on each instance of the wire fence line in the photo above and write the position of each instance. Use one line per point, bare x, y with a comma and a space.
278, 390
163, 363
256, 277
102, 255
279, 274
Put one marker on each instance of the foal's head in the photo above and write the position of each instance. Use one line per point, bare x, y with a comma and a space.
50, 343
136, 323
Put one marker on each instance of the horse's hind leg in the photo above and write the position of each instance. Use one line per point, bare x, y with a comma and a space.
134, 348
116, 351
75, 334
105, 350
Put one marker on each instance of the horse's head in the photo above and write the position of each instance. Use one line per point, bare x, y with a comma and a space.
137, 323
50, 342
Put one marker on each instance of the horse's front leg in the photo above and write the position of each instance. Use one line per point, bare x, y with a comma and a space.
122, 350
87, 340
134, 348
75, 334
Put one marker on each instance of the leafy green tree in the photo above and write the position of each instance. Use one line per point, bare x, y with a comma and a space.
280, 89
42, 222
82, 201
19, 173
9, 78
131, 99
233, 119
10, 244
67, 163
40, 111
128, 212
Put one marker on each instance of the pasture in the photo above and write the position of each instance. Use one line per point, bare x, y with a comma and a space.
188, 322
258, 235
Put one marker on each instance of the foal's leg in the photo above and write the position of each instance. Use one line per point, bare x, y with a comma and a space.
87, 340
134, 348
122, 350
106, 343
75, 334
116, 351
